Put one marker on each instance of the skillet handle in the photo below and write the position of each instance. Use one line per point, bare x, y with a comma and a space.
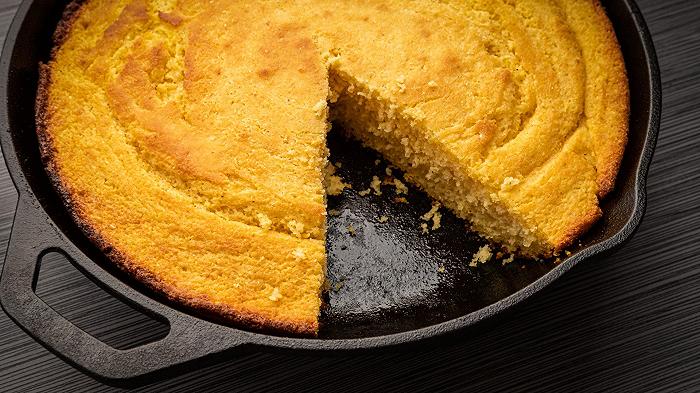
188, 339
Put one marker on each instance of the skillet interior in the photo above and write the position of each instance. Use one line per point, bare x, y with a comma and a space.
388, 277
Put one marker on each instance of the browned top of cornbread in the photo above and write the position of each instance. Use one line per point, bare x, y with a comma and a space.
188, 137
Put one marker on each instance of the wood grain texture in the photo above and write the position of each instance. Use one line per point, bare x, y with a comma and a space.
626, 322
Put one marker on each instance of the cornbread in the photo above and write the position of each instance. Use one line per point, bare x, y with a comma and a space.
188, 137
482, 256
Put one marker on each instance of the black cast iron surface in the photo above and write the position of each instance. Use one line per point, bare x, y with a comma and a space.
386, 273
627, 318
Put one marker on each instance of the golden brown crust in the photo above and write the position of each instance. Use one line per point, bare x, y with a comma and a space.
196, 304
46, 146
583, 224
608, 164
200, 305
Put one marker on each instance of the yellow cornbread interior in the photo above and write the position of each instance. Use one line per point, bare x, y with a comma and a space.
190, 136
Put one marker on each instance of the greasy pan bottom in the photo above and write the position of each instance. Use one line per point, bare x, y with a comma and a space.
391, 277
388, 282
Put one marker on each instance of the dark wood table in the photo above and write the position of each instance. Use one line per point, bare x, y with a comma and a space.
626, 322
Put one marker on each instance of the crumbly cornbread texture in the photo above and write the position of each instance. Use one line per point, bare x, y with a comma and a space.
188, 136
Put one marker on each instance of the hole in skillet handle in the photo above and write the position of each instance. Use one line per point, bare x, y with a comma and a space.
79, 300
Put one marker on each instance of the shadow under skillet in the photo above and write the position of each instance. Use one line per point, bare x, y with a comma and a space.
385, 273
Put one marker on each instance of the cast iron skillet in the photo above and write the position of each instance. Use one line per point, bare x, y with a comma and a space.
389, 283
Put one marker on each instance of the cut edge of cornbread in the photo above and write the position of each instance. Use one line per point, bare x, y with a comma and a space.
382, 127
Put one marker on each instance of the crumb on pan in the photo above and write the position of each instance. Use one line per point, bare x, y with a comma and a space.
376, 185
335, 185
401, 188
482, 256
434, 215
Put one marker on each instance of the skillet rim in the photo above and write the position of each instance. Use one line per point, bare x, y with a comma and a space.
106, 279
